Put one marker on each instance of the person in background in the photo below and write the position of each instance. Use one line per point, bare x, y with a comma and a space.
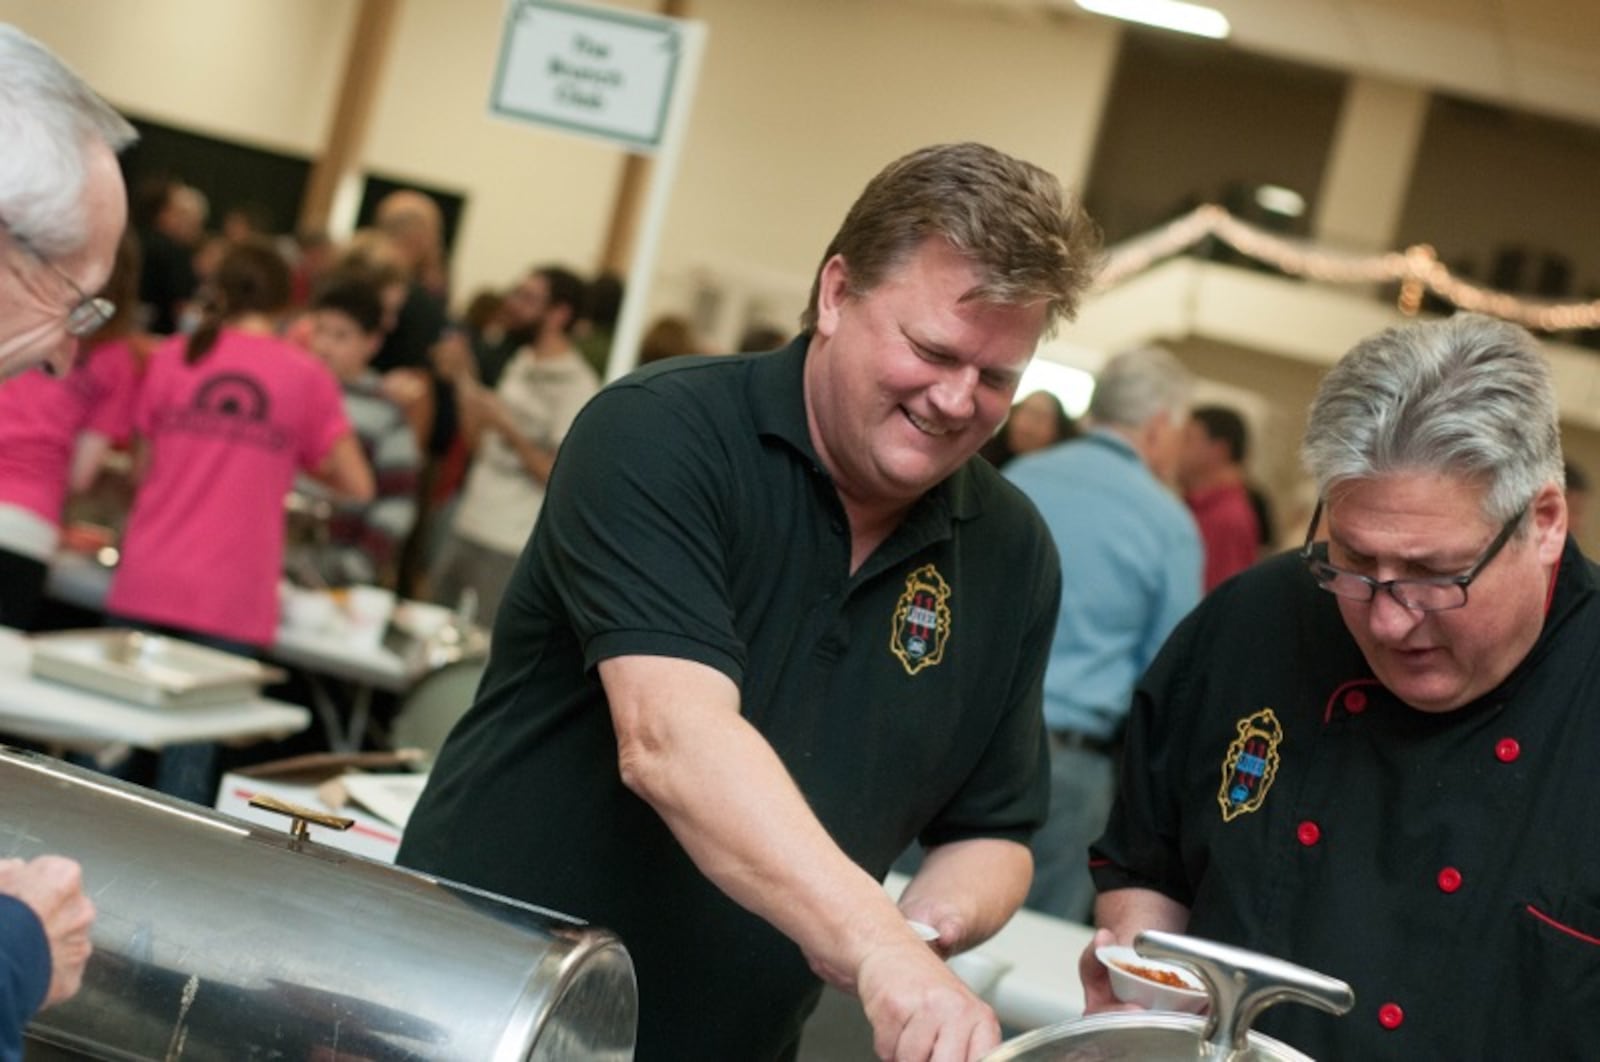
1036, 422
516, 325
1211, 476
415, 230
414, 226
598, 323
171, 224
225, 419
363, 543
55, 432
483, 322
246, 221
515, 431
769, 629
669, 336
1376, 758
62, 211
760, 337
1131, 564
314, 255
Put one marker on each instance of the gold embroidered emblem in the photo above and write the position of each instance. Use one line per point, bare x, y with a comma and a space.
1250, 765
921, 620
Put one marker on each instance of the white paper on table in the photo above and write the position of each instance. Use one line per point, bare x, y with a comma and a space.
388, 796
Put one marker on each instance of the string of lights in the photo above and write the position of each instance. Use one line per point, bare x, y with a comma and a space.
1417, 269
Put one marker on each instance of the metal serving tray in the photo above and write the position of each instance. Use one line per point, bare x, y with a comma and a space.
148, 669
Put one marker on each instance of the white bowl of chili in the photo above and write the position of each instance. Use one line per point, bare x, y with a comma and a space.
1151, 983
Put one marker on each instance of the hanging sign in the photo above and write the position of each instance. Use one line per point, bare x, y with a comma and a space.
588, 70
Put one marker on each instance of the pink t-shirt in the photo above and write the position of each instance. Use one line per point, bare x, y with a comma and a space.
204, 543
41, 416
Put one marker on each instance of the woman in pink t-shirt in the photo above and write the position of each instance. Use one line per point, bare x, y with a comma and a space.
225, 419
54, 433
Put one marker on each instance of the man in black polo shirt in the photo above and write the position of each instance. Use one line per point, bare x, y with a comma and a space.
773, 625
1377, 759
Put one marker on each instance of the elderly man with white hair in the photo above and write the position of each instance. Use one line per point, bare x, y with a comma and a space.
62, 205
62, 210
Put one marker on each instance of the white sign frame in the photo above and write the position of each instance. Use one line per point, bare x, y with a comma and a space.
594, 71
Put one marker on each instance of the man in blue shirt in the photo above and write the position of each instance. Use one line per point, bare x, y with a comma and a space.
1131, 564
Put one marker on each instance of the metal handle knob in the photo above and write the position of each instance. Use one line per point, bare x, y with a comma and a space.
300, 816
1243, 984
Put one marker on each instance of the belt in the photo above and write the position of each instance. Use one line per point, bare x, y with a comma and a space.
1077, 739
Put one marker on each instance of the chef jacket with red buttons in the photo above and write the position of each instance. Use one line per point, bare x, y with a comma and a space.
1446, 865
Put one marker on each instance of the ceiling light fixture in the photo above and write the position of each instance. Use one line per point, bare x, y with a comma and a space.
1277, 199
1167, 14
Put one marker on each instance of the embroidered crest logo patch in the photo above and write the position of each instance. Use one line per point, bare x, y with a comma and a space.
921, 620
1250, 765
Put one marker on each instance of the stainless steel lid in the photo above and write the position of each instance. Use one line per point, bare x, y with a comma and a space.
1241, 985
217, 939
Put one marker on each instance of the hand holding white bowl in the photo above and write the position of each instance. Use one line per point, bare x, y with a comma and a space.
1121, 963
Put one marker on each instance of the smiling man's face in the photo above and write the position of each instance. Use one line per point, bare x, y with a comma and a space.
907, 381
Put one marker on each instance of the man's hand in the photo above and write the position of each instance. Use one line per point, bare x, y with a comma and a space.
1121, 914
1097, 995
53, 887
919, 1009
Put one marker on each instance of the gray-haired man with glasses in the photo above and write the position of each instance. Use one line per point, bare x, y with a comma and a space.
62, 209
62, 206
1380, 757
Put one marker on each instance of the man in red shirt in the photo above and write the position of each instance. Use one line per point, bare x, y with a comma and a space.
1211, 473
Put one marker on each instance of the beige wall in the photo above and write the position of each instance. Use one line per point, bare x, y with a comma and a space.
259, 71
799, 104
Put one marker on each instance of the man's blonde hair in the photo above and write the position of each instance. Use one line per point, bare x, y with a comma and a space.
1027, 241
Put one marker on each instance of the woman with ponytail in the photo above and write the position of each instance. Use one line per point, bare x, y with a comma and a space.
225, 419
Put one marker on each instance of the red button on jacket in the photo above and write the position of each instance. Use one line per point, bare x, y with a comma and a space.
1309, 833
1390, 1015
1449, 879
1507, 749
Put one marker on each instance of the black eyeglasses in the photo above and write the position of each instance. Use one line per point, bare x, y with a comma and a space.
1437, 594
90, 312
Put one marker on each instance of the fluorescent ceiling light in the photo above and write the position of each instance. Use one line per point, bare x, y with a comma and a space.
1168, 14
1280, 200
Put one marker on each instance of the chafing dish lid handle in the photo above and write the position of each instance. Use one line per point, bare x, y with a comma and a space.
299, 815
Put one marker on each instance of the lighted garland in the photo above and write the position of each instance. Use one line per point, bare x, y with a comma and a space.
1416, 269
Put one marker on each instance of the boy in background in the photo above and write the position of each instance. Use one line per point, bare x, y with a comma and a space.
364, 541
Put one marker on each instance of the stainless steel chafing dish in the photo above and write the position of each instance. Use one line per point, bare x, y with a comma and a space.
1240, 984
220, 940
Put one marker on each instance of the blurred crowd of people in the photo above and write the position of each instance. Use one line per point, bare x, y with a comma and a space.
452, 417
